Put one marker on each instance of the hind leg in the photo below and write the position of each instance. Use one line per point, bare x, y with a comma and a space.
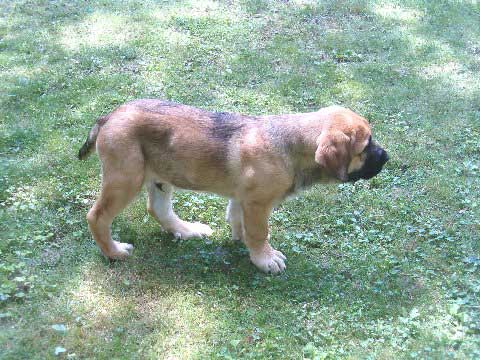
118, 190
160, 207
234, 216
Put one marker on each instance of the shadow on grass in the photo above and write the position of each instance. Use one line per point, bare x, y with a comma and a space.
223, 279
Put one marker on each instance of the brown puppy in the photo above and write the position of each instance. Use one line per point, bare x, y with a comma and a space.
256, 161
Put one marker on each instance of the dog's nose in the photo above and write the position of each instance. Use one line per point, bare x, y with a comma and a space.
385, 156
382, 155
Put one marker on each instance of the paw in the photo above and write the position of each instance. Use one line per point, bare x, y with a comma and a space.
269, 260
119, 251
186, 230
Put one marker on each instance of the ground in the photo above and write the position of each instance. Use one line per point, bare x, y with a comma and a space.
387, 268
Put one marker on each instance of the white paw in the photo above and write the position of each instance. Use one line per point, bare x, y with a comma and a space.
186, 230
119, 251
269, 260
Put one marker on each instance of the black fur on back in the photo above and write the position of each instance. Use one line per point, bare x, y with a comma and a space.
225, 125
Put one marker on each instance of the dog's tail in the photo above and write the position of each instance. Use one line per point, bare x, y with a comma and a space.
89, 145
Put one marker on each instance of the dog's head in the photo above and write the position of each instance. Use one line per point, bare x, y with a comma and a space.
345, 149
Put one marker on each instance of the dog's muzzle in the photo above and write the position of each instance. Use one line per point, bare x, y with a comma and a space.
376, 158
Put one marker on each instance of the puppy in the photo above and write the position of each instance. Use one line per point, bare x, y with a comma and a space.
255, 161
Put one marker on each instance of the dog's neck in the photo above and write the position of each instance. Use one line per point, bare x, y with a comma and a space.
306, 172
296, 136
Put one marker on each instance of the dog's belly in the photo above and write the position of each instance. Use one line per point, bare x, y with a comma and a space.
187, 164
190, 180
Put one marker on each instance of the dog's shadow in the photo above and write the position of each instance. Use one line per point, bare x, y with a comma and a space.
160, 260
194, 259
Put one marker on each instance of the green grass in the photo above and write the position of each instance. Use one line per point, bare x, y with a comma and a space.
377, 270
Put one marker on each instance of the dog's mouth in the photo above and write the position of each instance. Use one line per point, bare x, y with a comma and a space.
376, 159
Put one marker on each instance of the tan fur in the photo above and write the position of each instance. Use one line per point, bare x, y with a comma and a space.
254, 161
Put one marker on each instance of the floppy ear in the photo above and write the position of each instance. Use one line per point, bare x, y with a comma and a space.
333, 153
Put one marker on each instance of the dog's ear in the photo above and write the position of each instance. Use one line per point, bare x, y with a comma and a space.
333, 153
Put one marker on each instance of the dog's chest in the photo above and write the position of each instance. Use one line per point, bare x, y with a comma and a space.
304, 179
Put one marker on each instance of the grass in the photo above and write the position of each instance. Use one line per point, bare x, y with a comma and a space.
377, 270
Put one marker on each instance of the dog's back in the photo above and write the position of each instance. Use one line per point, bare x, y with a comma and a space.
187, 147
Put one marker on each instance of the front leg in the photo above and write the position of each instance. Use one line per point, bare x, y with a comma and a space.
255, 221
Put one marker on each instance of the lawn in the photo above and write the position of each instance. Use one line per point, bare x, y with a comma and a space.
382, 269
